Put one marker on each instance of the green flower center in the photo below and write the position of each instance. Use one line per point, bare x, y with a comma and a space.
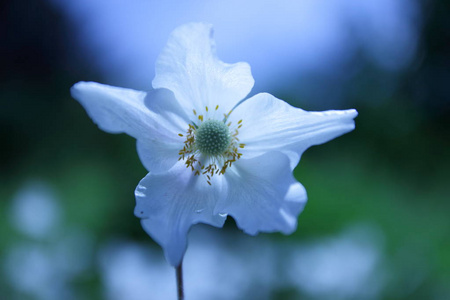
216, 141
212, 137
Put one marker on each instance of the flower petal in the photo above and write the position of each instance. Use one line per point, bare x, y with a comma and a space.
263, 195
170, 203
113, 109
155, 119
189, 67
270, 124
159, 150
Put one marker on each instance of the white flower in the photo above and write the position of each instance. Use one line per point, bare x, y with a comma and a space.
208, 154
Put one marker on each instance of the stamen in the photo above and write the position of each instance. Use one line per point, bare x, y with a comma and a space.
212, 141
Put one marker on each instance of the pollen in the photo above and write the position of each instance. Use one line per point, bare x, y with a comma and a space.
211, 146
212, 137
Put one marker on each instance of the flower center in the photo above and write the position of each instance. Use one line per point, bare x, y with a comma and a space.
211, 145
212, 137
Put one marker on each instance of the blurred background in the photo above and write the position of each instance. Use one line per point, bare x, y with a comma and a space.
377, 222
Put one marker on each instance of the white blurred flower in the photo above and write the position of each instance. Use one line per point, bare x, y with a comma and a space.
226, 266
134, 272
209, 153
46, 271
51, 256
35, 210
346, 266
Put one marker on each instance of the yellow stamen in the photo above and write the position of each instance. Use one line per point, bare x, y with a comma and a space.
215, 164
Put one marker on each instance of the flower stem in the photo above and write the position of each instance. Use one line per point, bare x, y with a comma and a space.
180, 289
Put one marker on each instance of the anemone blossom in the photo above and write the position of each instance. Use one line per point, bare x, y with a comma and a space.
210, 153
